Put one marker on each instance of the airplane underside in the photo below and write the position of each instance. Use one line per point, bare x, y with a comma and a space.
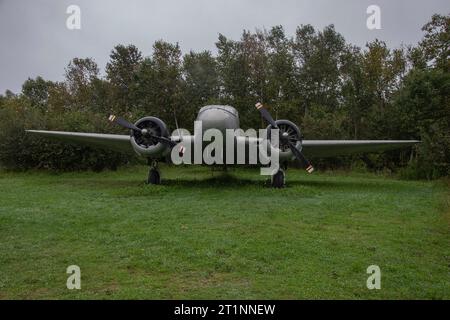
277, 180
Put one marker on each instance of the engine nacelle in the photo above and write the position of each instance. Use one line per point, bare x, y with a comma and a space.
292, 131
146, 146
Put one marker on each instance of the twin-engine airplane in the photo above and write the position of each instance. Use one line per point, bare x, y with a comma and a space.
149, 138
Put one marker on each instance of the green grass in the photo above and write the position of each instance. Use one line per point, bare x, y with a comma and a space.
208, 235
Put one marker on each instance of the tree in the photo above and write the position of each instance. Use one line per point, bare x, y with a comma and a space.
37, 91
121, 72
281, 87
318, 61
201, 78
80, 73
370, 78
159, 83
200, 83
423, 112
80, 76
436, 42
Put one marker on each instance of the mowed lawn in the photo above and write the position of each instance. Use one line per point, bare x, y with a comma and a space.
206, 235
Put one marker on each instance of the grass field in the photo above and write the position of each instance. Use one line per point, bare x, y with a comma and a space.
208, 235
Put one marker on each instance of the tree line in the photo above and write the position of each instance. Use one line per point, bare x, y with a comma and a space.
315, 78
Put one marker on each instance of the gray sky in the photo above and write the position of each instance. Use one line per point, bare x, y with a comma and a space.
35, 40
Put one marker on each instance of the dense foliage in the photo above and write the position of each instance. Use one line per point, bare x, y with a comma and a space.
330, 88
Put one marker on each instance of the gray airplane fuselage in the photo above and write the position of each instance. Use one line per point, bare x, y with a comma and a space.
218, 117
223, 118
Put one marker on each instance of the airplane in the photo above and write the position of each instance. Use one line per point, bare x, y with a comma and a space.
149, 137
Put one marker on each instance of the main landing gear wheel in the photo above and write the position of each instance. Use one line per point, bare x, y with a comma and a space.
154, 177
278, 179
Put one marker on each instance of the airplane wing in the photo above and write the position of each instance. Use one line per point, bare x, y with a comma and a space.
313, 148
114, 142
330, 148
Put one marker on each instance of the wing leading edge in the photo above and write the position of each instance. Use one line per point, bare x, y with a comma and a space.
315, 148
114, 142
330, 148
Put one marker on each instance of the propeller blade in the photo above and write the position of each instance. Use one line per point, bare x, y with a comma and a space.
164, 140
301, 157
266, 115
124, 123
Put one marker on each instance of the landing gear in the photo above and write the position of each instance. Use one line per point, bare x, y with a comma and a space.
278, 179
154, 176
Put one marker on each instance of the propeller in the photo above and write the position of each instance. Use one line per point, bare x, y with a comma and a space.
284, 137
145, 132
266, 115
124, 123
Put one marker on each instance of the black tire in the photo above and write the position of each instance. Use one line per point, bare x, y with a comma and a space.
154, 177
278, 179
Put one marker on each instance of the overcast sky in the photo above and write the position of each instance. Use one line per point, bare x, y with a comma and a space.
35, 40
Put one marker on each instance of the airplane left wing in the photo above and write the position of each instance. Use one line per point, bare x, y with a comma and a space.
330, 148
114, 142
